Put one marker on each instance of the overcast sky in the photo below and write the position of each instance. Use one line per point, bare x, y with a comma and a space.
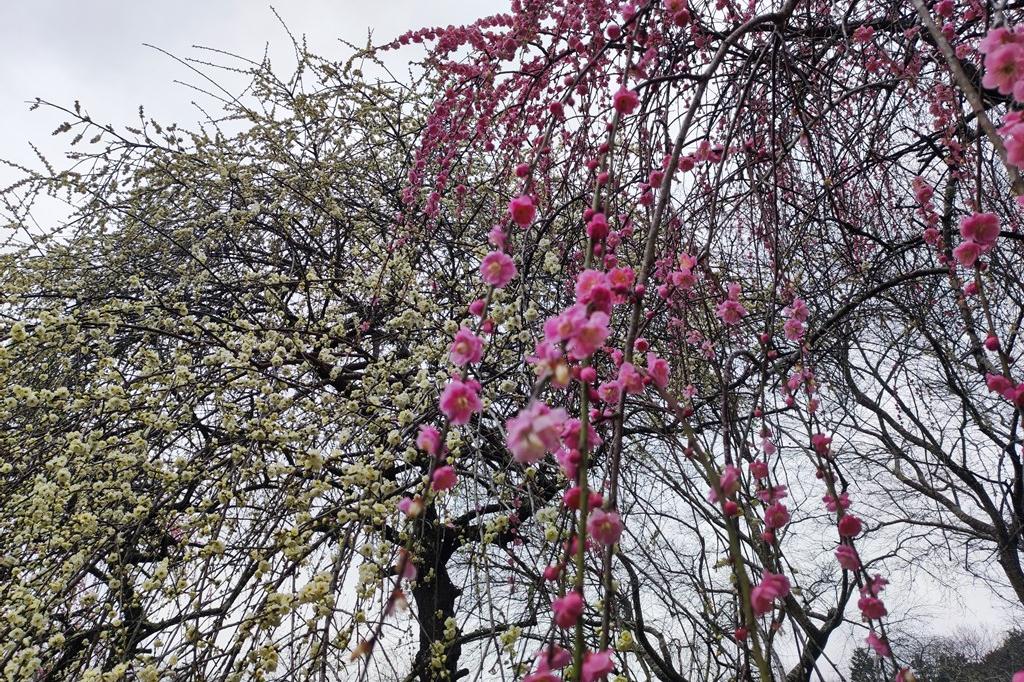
92, 50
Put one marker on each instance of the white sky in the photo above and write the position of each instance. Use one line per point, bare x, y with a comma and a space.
92, 50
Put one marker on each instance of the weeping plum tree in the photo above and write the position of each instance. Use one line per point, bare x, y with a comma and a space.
642, 340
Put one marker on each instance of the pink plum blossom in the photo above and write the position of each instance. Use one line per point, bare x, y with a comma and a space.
568, 609
467, 348
523, 210
657, 370
772, 586
429, 439
850, 526
497, 269
847, 557
444, 478
630, 378
625, 101
609, 392
776, 516
589, 337
879, 645
604, 526
534, 432
459, 400
597, 666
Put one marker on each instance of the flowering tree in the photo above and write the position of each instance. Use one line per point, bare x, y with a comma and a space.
643, 339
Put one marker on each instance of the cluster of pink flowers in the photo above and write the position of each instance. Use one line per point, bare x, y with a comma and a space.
1004, 71
801, 378
460, 398
731, 311
681, 278
796, 315
677, 12
923, 193
1014, 393
980, 232
871, 607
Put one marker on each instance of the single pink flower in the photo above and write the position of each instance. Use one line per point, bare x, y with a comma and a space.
597, 666
497, 237
565, 325
657, 370
589, 337
1003, 68
776, 516
630, 379
459, 400
850, 526
625, 101
534, 432
821, 443
597, 227
523, 210
731, 311
571, 434
684, 279
568, 609
497, 269
444, 478
847, 557
772, 586
1018, 676
553, 657
429, 439
411, 506
871, 608
467, 348
604, 527
967, 253
609, 392
591, 284
880, 646
621, 279
758, 469
728, 484
982, 228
